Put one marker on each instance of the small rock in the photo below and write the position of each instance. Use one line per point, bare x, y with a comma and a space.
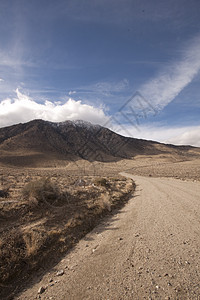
120, 239
177, 289
41, 290
169, 283
50, 280
60, 273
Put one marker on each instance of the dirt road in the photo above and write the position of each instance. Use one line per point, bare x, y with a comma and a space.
148, 250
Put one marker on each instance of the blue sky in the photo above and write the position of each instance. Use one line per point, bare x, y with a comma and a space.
74, 59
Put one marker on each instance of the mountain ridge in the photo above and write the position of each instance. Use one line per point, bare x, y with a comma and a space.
39, 141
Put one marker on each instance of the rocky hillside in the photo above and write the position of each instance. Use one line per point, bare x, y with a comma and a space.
42, 142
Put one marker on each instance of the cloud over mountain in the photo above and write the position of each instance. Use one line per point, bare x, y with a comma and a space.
189, 136
186, 135
23, 109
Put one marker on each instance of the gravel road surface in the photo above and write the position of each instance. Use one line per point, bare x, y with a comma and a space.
148, 250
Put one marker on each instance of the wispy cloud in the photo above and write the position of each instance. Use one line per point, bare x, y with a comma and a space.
72, 93
104, 91
107, 93
13, 60
1, 80
105, 88
186, 135
111, 86
23, 109
163, 89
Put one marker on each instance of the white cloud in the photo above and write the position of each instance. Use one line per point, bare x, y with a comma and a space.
189, 136
163, 89
171, 135
1, 80
23, 109
72, 93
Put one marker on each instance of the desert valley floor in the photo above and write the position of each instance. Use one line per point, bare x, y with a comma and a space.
147, 249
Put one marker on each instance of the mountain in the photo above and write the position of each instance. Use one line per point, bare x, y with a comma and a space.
43, 143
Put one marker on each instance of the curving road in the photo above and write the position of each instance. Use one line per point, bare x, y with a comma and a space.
148, 250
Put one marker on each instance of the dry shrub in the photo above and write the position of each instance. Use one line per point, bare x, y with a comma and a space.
105, 202
102, 182
34, 240
43, 190
24, 247
4, 193
12, 252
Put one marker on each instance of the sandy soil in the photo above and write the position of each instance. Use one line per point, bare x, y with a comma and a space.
185, 168
148, 250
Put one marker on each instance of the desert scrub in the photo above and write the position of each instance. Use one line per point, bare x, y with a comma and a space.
41, 233
4, 193
102, 182
43, 190
11, 251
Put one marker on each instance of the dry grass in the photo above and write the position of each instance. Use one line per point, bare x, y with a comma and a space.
102, 182
106, 202
44, 191
4, 193
49, 215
